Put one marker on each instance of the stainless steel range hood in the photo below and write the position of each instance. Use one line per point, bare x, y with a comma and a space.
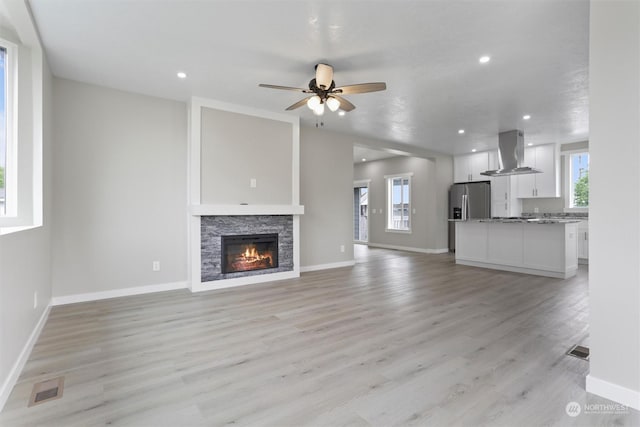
511, 155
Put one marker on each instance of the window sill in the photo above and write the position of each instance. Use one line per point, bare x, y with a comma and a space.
16, 229
391, 230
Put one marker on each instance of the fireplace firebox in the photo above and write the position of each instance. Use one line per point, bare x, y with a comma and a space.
249, 252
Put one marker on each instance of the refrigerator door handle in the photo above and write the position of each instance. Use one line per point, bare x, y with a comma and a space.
465, 206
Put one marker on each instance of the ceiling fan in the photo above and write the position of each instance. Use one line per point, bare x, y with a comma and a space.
325, 92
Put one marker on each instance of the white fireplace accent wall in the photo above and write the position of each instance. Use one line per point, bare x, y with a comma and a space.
249, 149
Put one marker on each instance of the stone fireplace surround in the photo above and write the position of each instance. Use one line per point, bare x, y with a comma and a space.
213, 227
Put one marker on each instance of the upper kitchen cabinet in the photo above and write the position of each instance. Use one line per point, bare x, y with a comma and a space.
467, 167
504, 192
546, 184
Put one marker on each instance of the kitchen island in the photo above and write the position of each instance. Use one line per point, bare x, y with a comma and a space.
545, 247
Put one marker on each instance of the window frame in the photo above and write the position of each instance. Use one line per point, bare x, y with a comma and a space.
11, 157
389, 207
567, 184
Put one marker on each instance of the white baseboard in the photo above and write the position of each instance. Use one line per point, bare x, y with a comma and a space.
115, 293
308, 268
619, 394
17, 367
409, 249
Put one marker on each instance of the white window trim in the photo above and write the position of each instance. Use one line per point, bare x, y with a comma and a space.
28, 107
389, 206
566, 181
11, 169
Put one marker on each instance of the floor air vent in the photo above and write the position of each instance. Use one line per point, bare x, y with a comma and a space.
46, 391
579, 351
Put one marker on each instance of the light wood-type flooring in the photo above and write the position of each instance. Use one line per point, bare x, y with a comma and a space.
399, 339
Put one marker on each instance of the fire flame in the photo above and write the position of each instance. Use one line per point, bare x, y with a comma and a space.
251, 254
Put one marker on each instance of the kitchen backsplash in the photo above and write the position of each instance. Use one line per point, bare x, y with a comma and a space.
556, 215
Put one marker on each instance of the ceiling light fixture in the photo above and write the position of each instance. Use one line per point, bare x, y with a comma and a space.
530, 144
460, 131
473, 150
341, 113
182, 75
313, 102
333, 103
364, 160
484, 59
526, 117
318, 110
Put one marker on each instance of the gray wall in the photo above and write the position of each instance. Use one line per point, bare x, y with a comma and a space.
120, 189
614, 246
25, 263
430, 183
236, 148
326, 180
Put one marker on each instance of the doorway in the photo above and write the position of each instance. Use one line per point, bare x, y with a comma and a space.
361, 212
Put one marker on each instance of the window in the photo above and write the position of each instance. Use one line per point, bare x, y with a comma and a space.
3, 126
7, 151
399, 203
579, 180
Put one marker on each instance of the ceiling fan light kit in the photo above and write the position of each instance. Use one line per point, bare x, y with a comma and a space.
325, 92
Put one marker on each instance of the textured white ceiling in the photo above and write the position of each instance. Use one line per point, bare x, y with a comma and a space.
426, 51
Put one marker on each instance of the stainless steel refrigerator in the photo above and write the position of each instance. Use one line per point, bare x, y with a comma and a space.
469, 200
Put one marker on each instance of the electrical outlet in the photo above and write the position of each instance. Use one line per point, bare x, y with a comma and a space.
536, 210
254, 183
156, 265
35, 299
341, 248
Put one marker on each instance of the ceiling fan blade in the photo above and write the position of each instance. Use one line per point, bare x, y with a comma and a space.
324, 75
344, 104
360, 88
297, 89
298, 104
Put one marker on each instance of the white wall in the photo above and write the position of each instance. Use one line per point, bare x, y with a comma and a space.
25, 262
326, 179
614, 178
430, 182
236, 148
120, 189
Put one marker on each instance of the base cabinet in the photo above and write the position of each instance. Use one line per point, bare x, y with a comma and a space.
540, 249
583, 242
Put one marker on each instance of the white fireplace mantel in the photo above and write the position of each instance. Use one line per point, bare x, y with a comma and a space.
206, 210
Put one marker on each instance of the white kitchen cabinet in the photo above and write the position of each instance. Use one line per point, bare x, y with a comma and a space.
546, 184
533, 248
583, 242
467, 167
504, 192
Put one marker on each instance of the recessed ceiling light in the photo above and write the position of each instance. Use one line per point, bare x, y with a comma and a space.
364, 160
460, 131
474, 150
526, 117
530, 144
341, 113
484, 59
182, 75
